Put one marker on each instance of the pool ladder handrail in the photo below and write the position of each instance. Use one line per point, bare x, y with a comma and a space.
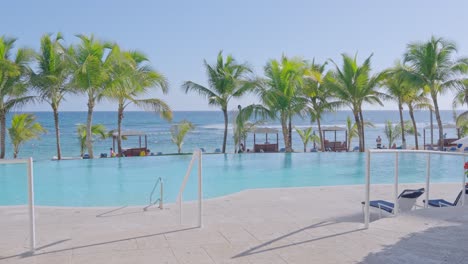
161, 195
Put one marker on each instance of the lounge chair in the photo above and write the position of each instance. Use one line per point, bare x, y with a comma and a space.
465, 149
217, 150
452, 149
444, 203
406, 201
355, 149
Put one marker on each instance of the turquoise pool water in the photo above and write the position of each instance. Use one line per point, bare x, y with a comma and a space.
129, 181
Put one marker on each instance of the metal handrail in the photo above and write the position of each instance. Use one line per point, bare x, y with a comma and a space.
197, 154
161, 195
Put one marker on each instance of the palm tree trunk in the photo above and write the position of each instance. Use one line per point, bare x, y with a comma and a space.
290, 132
358, 123
439, 121
362, 131
2, 133
15, 152
119, 129
284, 129
225, 113
57, 132
402, 124
322, 144
89, 123
413, 120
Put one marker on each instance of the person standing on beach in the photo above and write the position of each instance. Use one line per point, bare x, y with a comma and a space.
379, 142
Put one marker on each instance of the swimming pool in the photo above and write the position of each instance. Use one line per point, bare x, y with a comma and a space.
129, 181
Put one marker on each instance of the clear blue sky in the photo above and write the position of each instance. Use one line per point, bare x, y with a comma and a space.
178, 35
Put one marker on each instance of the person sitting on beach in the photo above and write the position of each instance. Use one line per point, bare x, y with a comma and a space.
241, 148
112, 153
379, 142
394, 146
142, 153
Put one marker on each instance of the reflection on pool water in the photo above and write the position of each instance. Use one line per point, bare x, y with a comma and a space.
129, 181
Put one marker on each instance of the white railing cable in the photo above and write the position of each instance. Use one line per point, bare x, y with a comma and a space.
395, 187
428, 176
31, 207
196, 155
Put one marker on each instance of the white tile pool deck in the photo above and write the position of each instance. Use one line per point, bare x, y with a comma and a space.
292, 225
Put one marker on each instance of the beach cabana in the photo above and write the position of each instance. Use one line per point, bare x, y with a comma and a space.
132, 133
448, 142
334, 145
267, 146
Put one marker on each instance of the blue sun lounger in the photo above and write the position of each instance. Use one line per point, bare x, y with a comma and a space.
444, 203
406, 201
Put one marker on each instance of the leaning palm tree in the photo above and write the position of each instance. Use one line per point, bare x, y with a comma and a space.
226, 79
318, 95
131, 77
23, 128
354, 85
91, 75
398, 86
178, 133
416, 100
280, 94
433, 67
14, 78
97, 130
53, 76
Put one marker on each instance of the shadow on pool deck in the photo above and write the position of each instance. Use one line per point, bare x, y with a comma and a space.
434, 245
262, 247
30, 254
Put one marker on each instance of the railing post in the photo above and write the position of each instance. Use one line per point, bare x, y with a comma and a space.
367, 198
395, 187
161, 198
428, 179
200, 190
32, 218
464, 182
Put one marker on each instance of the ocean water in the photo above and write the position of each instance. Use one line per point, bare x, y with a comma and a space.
208, 131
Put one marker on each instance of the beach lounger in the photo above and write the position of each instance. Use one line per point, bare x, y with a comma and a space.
217, 150
444, 203
452, 149
465, 149
406, 201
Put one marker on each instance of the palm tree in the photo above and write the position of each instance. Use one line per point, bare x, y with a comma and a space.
92, 63
353, 131
178, 133
14, 77
280, 92
431, 65
242, 124
415, 100
23, 128
354, 85
318, 95
226, 79
131, 77
398, 87
97, 130
392, 132
53, 76
306, 136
